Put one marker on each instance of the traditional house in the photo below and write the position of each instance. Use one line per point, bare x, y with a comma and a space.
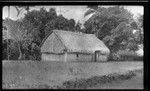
71, 46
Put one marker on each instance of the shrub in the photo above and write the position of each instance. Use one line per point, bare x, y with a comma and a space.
129, 55
43, 86
95, 80
113, 57
124, 55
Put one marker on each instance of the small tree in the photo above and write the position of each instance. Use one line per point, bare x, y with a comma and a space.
17, 33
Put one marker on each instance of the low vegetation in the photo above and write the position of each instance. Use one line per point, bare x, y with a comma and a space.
124, 55
93, 81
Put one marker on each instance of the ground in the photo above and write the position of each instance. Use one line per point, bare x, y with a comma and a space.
133, 83
35, 75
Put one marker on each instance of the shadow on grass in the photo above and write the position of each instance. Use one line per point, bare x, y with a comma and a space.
97, 80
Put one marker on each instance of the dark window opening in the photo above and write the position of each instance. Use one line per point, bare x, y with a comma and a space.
77, 55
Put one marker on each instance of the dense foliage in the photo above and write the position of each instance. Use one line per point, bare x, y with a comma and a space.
113, 25
29, 32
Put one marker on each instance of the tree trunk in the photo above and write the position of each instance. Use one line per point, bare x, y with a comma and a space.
20, 52
97, 33
27, 9
8, 54
8, 11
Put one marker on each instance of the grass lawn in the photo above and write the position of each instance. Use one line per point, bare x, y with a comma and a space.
135, 82
29, 74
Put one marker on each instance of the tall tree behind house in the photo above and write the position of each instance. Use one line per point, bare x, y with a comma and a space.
112, 25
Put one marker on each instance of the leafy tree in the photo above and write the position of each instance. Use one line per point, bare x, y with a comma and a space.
138, 35
21, 8
140, 21
15, 30
77, 27
112, 25
7, 44
40, 23
29, 32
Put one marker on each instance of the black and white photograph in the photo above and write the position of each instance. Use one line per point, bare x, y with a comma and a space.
72, 47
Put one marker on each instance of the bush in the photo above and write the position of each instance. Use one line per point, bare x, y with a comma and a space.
14, 53
97, 80
124, 55
113, 57
129, 55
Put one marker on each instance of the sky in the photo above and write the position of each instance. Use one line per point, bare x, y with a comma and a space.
75, 12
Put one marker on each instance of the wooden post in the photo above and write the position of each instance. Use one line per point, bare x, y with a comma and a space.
7, 35
95, 56
65, 58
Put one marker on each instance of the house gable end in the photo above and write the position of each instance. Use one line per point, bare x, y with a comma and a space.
53, 45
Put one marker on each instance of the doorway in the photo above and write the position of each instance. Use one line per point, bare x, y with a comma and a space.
96, 55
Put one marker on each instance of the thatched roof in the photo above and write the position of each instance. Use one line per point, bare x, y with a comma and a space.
81, 42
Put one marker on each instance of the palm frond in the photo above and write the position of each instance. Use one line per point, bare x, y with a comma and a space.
89, 12
18, 10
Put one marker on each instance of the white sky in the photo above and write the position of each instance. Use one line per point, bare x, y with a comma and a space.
75, 12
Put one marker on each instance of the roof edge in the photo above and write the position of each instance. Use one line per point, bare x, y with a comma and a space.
60, 40
45, 38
